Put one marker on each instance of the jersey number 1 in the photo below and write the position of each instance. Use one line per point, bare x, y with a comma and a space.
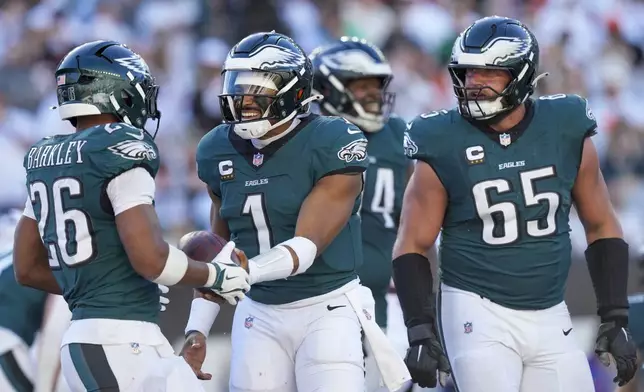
507, 211
255, 206
71, 225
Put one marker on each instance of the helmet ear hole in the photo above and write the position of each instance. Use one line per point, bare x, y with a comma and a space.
127, 98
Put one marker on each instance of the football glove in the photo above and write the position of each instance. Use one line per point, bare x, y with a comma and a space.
232, 282
614, 339
425, 357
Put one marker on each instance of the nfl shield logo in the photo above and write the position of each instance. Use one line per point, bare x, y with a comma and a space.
248, 323
467, 327
258, 159
505, 139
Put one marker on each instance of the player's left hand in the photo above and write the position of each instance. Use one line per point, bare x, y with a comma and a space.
194, 353
614, 340
163, 301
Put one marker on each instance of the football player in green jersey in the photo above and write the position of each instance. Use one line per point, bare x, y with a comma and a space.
499, 175
285, 186
353, 75
89, 230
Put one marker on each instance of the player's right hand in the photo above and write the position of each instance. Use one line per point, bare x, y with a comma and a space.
614, 339
194, 353
232, 281
425, 359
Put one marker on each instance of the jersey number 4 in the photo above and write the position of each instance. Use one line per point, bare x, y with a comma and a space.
72, 226
505, 213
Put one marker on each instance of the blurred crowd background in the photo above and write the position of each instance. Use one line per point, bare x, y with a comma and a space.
589, 47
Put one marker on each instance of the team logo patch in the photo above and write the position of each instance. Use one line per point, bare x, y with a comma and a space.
366, 314
354, 151
136, 150
467, 327
135, 64
409, 146
248, 323
135, 348
589, 112
258, 159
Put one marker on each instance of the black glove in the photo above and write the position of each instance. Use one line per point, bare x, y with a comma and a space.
425, 356
615, 339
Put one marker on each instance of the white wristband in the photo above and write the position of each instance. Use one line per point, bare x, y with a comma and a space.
277, 262
174, 269
202, 315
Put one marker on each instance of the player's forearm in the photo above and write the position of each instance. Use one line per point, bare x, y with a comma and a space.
39, 277
607, 260
414, 283
288, 258
180, 269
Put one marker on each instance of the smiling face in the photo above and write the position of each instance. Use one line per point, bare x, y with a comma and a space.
250, 94
368, 92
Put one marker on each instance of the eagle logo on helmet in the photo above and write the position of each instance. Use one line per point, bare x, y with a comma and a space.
267, 58
134, 63
136, 150
356, 61
409, 146
496, 52
356, 150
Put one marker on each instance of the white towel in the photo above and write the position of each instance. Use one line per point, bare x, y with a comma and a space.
392, 368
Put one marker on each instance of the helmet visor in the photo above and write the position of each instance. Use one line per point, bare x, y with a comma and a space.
248, 95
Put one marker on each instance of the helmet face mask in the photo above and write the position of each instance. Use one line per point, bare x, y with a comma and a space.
492, 44
342, 66
105, 77
267, 83
484, 100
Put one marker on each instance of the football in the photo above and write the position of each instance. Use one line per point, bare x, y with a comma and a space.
203, 246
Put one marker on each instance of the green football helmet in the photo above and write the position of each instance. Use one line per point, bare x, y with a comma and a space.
106, 77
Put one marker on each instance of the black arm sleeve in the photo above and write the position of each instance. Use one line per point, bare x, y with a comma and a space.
413, 279
607, 260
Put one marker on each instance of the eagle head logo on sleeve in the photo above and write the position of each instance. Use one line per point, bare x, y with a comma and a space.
136, 150
354, 151
409, 146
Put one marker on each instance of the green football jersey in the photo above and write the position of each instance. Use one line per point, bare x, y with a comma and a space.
67, 178
636, 319
261, 193
385, 182
21, 307
505, 233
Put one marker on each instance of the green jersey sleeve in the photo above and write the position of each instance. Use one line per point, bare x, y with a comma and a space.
339, 147
423, 138
117, 148
210, 169
575, 122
